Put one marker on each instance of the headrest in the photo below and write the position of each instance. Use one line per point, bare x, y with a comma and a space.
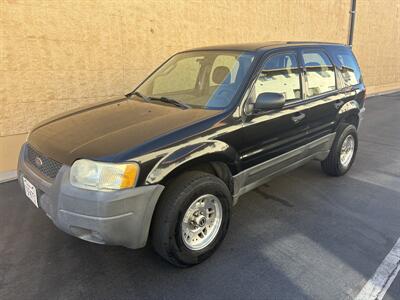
220, 73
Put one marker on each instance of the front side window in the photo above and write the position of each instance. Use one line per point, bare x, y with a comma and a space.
280, 74
320, 73
349, 68
200, 79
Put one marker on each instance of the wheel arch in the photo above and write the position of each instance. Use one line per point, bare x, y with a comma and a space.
214, 157
349, 113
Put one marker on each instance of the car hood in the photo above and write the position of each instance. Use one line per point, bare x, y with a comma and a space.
109, 128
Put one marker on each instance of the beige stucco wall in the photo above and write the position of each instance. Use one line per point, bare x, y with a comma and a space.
377, 43
56, 55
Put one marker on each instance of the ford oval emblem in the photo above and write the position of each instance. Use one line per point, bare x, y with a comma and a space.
38, 162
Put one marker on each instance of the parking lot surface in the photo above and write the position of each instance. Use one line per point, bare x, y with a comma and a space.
303, 236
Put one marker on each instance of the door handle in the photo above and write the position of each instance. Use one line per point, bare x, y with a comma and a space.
338, 104
298, 117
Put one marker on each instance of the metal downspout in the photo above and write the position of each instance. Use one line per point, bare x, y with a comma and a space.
352, 21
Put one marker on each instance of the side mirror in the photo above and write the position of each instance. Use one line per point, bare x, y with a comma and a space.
269, 101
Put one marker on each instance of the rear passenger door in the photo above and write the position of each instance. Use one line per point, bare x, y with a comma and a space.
321, 92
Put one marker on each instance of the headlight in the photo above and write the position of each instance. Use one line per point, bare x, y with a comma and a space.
93, 175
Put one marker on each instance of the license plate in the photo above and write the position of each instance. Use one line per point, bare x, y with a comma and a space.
30, 191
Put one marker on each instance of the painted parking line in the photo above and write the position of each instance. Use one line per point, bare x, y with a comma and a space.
378, 285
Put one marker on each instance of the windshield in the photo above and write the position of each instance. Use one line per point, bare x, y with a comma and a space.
201, 79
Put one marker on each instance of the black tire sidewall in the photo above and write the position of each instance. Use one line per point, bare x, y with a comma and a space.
199, 255
349, 130
332, 165
173, 243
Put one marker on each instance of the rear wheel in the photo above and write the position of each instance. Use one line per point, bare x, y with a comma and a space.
191, 218
343, 151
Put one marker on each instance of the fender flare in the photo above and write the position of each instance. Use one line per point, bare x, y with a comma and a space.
350, 109
213, 148
351, 105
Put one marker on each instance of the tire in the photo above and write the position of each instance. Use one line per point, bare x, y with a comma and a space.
333, 165
172, 218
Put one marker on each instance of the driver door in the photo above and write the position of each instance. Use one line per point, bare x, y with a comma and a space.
272, 134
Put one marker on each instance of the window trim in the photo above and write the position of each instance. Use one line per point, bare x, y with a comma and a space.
304, 71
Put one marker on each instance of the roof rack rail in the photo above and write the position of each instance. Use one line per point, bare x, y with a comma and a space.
310, 42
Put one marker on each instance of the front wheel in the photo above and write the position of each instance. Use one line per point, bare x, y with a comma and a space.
343, 151
191, 218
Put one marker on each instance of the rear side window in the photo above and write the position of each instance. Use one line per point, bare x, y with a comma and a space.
280, 74
348, 68
320, 73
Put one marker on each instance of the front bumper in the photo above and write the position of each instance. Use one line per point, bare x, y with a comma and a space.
117, 218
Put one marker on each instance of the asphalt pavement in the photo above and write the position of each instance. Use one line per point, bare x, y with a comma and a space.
303, 236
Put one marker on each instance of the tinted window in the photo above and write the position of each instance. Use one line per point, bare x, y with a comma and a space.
348, 68
320, 74
280, 74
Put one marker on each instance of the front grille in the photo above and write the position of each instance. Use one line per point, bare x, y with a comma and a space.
45, 165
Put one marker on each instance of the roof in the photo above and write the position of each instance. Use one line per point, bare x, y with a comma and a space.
262, 45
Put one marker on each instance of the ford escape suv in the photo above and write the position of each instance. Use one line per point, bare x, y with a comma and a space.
167, 162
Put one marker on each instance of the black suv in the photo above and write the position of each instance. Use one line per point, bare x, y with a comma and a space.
168, 161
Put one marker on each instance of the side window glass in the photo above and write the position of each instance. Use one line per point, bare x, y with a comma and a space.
349, 69
320, 73
280, 74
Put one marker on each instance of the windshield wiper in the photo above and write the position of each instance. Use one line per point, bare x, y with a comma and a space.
162, 99
145, 98
171, 101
